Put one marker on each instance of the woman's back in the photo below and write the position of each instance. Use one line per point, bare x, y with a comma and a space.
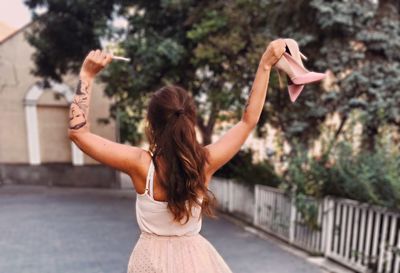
154, 217
166, 245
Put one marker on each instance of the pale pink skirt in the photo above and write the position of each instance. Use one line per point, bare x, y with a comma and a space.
175, 254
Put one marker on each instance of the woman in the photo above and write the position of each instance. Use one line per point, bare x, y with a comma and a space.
172, 179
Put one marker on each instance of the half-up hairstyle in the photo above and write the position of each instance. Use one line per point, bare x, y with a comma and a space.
171, 134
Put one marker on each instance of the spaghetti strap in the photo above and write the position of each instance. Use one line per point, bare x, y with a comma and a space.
151, 186
149, 178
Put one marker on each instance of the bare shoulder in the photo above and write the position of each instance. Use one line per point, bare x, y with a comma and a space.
139, 159
137, 152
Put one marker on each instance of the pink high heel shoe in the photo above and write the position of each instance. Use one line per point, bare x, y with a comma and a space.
292, 65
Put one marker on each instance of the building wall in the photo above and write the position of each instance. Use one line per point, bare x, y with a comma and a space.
15, 80
52, 120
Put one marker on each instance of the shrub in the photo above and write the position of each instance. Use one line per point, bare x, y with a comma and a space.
372, 177
242, 169
367, 176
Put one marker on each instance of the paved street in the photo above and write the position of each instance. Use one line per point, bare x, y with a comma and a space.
66, 230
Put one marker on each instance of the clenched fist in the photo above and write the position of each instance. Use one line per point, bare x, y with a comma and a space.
94, 62
273, 52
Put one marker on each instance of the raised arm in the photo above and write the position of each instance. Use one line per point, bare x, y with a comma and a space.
119, 156
229, 144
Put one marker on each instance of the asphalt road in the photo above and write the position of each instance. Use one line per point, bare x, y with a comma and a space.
70, 230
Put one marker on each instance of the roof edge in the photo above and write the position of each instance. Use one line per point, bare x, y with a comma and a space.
21, 29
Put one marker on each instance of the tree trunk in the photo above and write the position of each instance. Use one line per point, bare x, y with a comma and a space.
335, 138
206, 137
207, 129
386, 8
369, 137
337, 133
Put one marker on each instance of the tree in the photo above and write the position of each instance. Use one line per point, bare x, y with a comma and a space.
210, 47
359, 42
65, 33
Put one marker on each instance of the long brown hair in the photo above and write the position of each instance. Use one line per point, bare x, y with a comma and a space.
171, 134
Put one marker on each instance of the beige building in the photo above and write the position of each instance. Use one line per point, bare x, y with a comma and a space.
34, 146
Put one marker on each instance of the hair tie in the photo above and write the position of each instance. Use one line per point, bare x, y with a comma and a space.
179, 112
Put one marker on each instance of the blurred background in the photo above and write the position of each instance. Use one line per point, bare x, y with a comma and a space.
320, 177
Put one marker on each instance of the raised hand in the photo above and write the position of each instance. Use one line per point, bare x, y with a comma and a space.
94, 62
273, 52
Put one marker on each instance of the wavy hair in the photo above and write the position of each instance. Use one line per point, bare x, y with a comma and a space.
171, 116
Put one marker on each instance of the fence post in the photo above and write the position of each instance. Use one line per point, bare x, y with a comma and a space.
256, 205
292, 222
230, 195
382, 247
397, 259
226, 193
327, 225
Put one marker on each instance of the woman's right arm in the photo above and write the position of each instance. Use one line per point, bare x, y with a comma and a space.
230, 143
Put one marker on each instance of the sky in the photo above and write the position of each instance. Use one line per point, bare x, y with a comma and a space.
14, 13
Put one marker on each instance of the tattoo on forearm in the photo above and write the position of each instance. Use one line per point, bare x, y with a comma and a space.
78, 88
248, 100
79, 106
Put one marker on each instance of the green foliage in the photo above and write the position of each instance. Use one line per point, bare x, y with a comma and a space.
211, 23
359, 42
212, 48
64, 35
308, 210
242, 169
371, 177
307, 175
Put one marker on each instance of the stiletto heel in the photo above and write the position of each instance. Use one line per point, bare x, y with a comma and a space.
294, 90
293, 66
281, 85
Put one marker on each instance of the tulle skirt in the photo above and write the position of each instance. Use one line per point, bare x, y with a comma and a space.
175, 254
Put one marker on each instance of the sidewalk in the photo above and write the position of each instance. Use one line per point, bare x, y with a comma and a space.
69, 230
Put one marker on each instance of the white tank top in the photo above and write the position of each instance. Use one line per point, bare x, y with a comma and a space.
154, 217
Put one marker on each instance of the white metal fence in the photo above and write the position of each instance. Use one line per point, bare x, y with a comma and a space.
362, 237
234, 198
272, 211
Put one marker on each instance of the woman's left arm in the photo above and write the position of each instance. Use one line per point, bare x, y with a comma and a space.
119, 156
